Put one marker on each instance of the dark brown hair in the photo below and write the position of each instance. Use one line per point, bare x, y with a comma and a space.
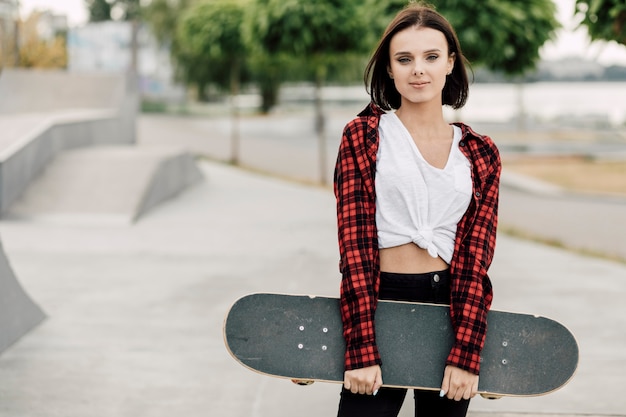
381, 87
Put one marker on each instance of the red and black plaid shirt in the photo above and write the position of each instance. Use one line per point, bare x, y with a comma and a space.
471, 292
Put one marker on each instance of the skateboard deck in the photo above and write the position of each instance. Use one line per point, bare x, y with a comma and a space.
300, 337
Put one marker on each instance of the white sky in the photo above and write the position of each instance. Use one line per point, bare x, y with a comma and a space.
569, 42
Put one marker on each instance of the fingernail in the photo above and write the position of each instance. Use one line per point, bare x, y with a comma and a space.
375, 392
442, 393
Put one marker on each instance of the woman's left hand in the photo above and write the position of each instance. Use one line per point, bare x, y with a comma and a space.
459, 384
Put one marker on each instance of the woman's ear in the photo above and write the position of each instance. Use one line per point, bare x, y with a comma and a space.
389, 72
451, 60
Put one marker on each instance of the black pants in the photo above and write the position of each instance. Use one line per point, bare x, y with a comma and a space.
432, 287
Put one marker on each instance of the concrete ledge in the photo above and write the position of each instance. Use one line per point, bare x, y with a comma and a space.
27, 91
18, 313
24, 158
53, 91
111, 183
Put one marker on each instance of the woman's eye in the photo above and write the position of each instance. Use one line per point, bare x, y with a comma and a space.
404, 60
432, 57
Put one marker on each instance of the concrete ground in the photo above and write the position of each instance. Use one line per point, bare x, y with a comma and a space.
135, 311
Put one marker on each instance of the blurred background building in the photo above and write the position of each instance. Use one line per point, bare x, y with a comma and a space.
49, 25
106, 47
8, 30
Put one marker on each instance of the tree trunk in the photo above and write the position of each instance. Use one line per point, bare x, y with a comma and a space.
134, 54
521, 107
234, 111
16, 42
269, 94
320, 123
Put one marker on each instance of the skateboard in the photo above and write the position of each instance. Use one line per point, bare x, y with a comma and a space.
300, 338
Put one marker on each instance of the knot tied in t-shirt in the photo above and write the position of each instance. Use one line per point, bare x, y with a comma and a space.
424, 239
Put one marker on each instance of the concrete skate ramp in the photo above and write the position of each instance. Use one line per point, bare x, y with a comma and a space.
118, 183
18, 313
45, 112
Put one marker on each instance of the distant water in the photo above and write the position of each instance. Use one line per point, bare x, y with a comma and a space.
543, 101
598, 103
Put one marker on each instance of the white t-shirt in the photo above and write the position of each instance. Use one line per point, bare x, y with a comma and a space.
415, 201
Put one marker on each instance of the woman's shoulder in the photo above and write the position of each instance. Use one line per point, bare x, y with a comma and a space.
482, 149
368, 118
468, 132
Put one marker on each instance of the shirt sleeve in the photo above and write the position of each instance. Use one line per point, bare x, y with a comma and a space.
358, 249
471, 290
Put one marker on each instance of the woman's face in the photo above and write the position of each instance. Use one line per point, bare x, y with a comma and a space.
419, 64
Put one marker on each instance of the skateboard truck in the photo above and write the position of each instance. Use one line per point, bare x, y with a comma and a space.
306, 382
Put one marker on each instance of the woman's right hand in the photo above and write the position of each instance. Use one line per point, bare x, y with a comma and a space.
364, 380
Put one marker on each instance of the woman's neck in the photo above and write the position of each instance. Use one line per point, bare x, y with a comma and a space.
422, 117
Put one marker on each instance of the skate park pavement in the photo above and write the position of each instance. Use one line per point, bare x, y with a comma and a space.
135, 311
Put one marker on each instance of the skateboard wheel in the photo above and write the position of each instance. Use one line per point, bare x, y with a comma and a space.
491, 396
302, 382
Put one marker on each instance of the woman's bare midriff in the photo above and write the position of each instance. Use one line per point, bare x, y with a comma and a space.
409, 259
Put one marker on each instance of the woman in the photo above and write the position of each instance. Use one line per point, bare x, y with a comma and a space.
417, 206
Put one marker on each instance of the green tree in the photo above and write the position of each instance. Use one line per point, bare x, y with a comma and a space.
99, 10
314, 32
269, 72
503, 35
210, 44
211, 50
162, 16
604, 19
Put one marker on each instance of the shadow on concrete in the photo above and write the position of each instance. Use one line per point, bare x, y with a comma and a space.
18, 313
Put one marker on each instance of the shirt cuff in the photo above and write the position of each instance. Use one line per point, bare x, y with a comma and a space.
362, 356
464, 358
